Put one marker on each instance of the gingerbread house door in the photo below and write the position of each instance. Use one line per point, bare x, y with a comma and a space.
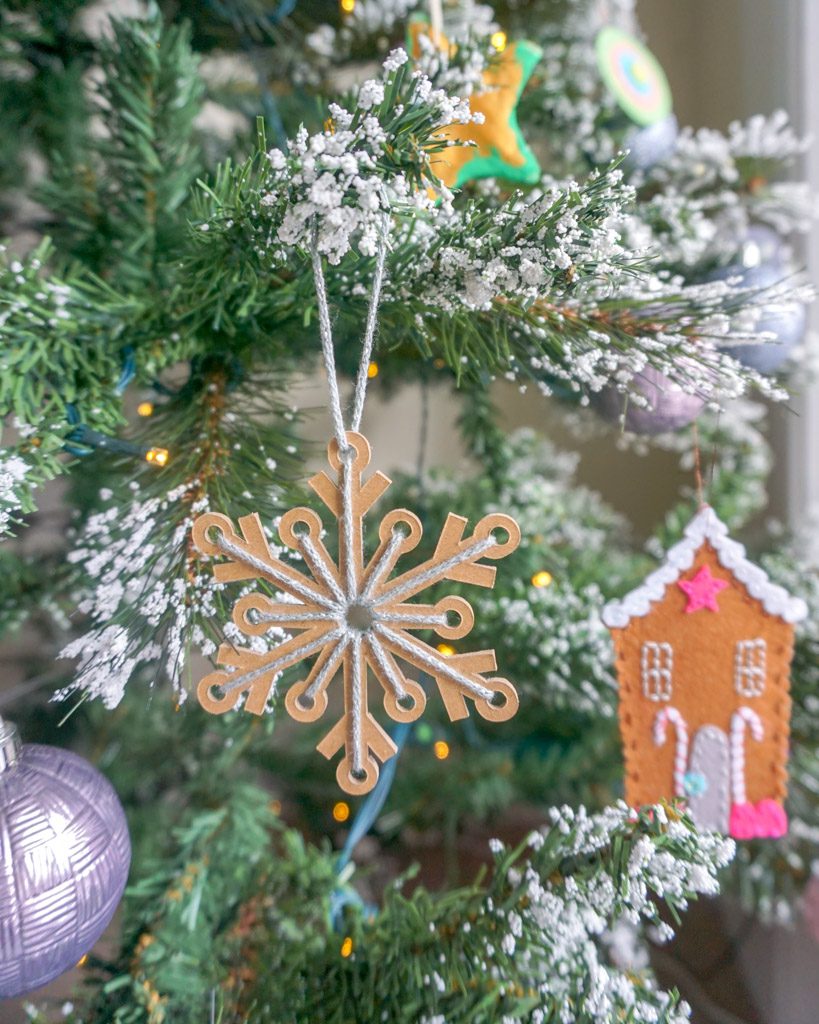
708, 780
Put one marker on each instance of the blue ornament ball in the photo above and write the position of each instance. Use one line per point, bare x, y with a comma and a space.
64, 853
651, 145
762, 263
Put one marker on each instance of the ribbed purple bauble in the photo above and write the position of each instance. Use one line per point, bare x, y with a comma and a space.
669, 408
64, 859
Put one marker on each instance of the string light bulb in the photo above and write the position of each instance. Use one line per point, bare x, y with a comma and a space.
341, 811
423, 732
498, 41
83, 960
441, 749
347, 947
348, 6
372, 370
446, 649
542, 579
157, 456
145, 409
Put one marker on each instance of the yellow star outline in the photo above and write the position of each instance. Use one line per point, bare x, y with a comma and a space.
500, 150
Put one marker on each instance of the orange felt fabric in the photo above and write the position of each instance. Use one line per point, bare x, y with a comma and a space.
704, 646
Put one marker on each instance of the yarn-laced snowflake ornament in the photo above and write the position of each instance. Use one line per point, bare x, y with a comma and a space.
354, 616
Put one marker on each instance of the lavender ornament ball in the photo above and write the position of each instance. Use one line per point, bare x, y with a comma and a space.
669, 408
64, 858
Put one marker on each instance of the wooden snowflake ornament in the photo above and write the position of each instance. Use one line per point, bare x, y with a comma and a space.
353, 616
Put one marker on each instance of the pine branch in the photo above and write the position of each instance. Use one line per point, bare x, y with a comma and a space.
223, 909
120, 210
149, 598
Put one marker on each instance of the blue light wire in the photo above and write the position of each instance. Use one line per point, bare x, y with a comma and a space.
94, 439
362, 823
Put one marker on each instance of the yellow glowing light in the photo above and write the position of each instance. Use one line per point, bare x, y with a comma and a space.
542, 579
498, 40
276, 806
441, 749
341, 811
446, 649
347, 947
83, 960
348, 6
145, 409
330, 125
372, 370
158, 456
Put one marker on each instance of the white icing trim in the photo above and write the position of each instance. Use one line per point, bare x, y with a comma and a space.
661, 720
750, 659
656, 668
741, 719
705, 526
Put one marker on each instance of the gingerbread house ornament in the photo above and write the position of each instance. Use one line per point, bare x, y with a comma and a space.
703, 652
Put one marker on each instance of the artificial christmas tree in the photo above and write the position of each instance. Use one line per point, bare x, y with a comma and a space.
226, 194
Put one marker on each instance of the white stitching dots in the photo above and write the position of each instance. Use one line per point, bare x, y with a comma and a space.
749, 667
742, 719
656, 665
672, 715
704, 527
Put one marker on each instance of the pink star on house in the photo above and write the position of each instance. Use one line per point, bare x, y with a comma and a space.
702, 590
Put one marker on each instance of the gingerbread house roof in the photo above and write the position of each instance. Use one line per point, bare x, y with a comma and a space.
705, 527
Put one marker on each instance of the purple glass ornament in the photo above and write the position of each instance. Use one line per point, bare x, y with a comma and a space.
668, 408
64, 859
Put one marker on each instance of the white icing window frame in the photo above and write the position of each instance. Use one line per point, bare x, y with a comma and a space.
750, 667
656, 670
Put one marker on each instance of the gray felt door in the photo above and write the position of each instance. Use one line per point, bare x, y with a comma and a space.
708, 779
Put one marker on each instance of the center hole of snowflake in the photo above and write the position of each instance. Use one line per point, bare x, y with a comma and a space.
360, 617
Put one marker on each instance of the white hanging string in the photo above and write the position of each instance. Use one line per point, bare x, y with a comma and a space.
345, 452
369, 334
326, 333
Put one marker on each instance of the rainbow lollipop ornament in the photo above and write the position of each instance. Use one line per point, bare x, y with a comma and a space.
633, 76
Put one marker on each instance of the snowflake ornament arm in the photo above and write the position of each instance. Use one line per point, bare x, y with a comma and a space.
354, 616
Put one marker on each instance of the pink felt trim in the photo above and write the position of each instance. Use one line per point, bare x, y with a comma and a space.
765, 820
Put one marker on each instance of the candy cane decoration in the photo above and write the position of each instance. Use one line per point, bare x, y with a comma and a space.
436, 22
741, 719
672, 715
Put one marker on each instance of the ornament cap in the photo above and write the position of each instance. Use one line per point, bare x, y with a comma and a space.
10, 746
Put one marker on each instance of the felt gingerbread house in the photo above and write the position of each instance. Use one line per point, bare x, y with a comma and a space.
703, 652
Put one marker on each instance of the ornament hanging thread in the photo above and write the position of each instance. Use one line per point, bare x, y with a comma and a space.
354, 616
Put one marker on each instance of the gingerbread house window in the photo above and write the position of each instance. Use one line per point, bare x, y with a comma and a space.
656, 664
749, 667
